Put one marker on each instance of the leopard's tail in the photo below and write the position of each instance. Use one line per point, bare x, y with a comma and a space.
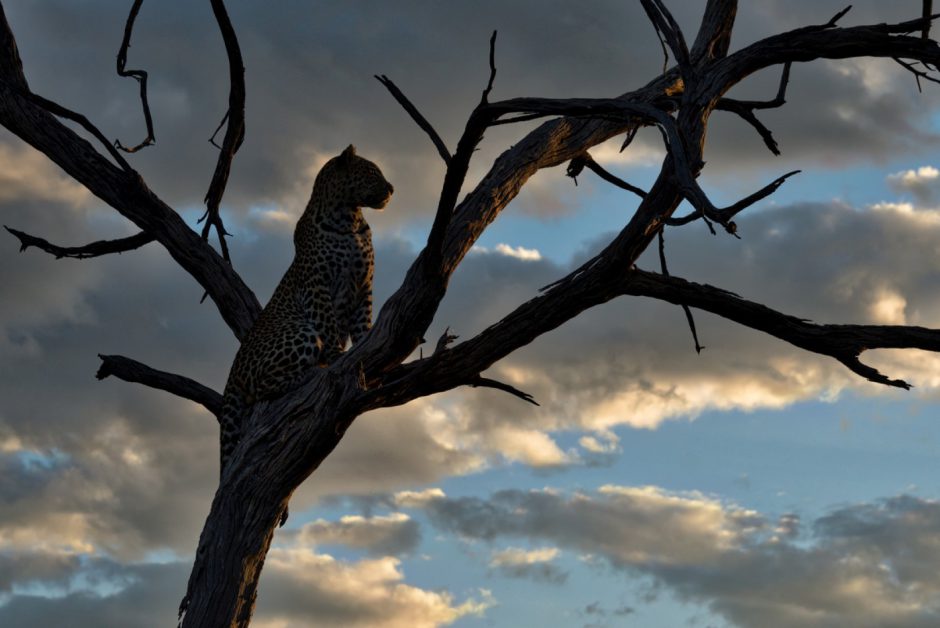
234, 407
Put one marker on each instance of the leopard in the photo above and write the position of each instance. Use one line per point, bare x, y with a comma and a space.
324, 300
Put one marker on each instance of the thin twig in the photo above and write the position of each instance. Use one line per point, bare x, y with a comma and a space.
139, 75
489, 85
685, 308
419, 119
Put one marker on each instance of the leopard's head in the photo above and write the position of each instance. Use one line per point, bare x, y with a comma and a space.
354, 181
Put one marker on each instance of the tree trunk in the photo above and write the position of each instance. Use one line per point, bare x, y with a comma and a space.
283, 442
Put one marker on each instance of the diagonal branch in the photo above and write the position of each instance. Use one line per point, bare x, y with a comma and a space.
667, 29
419, 119
139, 75
93, 249
584, 160
603, 282
234, 130
133, 371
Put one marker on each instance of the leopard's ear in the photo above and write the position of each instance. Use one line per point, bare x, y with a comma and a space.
346, 157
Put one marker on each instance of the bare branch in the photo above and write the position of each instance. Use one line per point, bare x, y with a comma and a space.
685, 308
928, 10
842, 342
705, 208
486, 382
58, 110
584, 160
419, 119
667, 29
835, 18
234, 130
745, 109
133, 371
139, 75
489, 85
94, 249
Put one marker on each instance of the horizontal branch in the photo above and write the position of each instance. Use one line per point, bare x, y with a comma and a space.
133, 371
93, 249
843, 342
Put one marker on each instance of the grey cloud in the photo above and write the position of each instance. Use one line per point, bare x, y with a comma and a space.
866, 565
378, 535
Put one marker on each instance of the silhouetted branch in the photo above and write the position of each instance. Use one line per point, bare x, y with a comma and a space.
745, 109
94, 249
685, 308
489, 84
579, 163
843, 342
419, 119
58, 110
133, 371
234, 130
667, 29
486, 382
139, 75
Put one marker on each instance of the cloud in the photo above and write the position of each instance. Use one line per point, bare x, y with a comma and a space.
867, 565
300, 584
536, 564
380, 535
922, 183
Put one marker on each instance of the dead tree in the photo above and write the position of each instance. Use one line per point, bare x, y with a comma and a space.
286, 439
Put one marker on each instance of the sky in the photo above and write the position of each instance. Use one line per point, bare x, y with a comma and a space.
753, 485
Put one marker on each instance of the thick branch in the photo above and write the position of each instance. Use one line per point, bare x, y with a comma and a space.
94, 249
139, 75
133, 371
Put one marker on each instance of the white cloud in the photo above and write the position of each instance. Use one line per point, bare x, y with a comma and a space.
300, 584
922, 182
417, 499
514, 556
380, 535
